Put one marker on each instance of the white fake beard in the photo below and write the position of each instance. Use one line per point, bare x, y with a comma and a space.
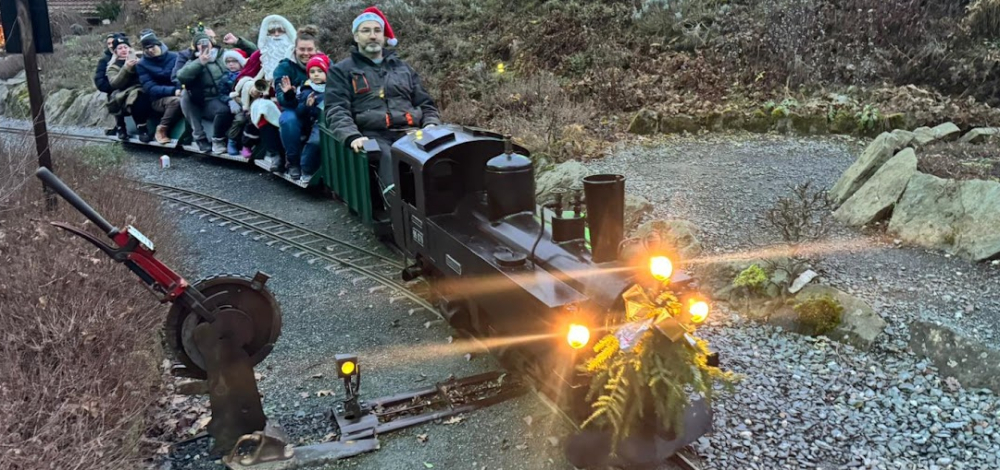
276, 49
373, 48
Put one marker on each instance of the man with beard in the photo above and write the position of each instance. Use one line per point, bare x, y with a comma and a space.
275, 42
373, 94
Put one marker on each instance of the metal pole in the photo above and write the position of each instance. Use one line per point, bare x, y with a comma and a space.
35, 94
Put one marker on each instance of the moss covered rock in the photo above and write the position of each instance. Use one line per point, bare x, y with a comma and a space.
677, 123
645, 122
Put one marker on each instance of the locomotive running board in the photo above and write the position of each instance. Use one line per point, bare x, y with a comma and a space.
269, 449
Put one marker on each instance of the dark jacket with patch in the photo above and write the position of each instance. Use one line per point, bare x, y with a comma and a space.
363, 96
101, 74
154, 74
202, 80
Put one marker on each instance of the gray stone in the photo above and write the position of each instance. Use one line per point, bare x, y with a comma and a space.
973, 364
802, 280
946, 132
957, 216
636, 207
923, 136
874, 156
679, 235
875, 200
57, 103
979, 135
565, 175
859, 325
645, 122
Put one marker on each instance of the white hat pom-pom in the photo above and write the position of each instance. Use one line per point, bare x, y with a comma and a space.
391, 42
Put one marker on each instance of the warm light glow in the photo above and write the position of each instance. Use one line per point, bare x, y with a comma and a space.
661, 268
698, 311
578, 336
500, 68
347, 368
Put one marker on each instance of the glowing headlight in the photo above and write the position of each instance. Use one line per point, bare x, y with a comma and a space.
661, 268
698, 311
578, 336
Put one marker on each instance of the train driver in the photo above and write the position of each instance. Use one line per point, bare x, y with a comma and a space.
373, 94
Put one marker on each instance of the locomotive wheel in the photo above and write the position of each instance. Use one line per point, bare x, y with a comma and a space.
255, 311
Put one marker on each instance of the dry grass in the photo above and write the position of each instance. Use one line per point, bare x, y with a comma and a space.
984, 18
79, 351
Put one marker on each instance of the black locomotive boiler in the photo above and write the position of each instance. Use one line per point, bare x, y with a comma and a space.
537, 284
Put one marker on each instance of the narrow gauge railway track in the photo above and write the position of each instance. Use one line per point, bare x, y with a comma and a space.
312, 245
66, 135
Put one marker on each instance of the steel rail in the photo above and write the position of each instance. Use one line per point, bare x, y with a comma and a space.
68, 135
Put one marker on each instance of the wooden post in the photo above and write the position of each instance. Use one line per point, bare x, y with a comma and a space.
35, 93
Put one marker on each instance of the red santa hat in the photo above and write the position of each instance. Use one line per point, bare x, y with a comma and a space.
390, 38
236, 54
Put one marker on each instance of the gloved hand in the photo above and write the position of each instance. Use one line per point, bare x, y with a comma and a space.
234, 107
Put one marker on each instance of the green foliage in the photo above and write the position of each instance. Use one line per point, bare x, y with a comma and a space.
102, 156
819, 314
754, 278
655, 376
869, 119
109, 9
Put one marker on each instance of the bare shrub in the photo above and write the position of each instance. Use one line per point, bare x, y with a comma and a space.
78, 356
803, 216
984, 18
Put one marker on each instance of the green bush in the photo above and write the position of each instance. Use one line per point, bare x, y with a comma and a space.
753, 278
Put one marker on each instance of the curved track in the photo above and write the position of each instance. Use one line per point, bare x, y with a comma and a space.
306, 243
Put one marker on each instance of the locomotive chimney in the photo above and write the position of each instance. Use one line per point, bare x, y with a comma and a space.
605, 195
510, 183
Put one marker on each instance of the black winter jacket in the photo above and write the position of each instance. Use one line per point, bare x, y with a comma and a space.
101, 74
364, 96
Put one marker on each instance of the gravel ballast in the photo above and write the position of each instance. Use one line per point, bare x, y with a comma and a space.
813, 403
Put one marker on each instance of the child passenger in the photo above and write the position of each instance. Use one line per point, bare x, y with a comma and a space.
309, 109
235, 60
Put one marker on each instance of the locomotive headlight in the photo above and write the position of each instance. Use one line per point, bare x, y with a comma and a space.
661, 268
578, 336
698, 310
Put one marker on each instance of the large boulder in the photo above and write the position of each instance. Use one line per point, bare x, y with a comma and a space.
874, 156
979, 135
89, 110
875, 200
645, 122
680, 235
973, 364
56, 104
636, 207
566, 175
923, 136
859, 324
957, 216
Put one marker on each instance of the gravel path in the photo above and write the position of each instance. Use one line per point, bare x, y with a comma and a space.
807, 403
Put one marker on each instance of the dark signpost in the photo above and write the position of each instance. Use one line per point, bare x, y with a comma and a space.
27, 30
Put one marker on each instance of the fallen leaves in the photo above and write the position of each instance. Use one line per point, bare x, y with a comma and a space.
453, 420
421, 438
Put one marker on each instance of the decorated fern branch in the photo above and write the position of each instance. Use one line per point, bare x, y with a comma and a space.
651, 365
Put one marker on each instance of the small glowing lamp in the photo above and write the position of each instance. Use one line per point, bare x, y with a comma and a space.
661, 268
578, 336
698, 311
500, 68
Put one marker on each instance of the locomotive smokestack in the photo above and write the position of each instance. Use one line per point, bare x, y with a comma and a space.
605, 196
